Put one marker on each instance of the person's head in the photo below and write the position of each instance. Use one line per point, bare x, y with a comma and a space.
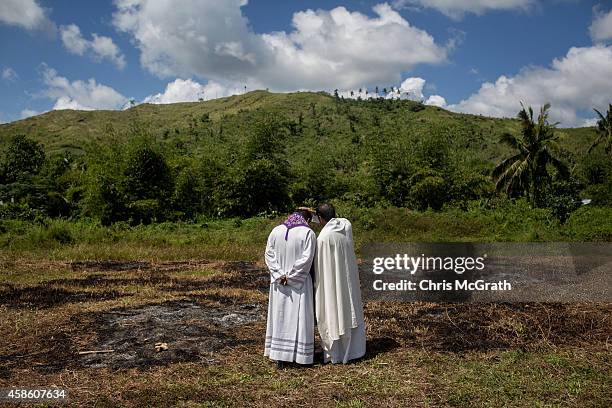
304, 212
325, 212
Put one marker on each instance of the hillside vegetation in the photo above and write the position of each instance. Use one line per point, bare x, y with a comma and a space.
261, 153
62, 130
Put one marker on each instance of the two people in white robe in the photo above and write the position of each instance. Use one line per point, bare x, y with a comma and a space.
291, 250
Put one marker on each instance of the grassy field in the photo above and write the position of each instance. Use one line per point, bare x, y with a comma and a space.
69, 287
243, 239
419, 354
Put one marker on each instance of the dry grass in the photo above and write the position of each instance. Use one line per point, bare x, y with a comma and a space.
419, 354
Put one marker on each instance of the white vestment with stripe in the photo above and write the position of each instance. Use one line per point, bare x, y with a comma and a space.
290, 328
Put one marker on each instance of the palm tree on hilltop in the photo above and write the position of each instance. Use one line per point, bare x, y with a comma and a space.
527, 170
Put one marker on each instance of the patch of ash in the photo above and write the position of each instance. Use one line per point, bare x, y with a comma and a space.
191, 331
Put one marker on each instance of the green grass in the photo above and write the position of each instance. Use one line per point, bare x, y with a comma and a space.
539, 379
235, 239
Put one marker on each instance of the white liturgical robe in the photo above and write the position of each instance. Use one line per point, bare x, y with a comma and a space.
290, 327
339, 310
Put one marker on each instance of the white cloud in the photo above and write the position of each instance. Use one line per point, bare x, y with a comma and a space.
577, 82
104, 48
9, 74
601, 28
436, 100
101, 47
73, 40
187, 90
326, 49
26, 113
25, 14
456, 9
80, 95
412, 88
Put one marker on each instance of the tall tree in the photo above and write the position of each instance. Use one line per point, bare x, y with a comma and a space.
24, 158
604, 131
526, 171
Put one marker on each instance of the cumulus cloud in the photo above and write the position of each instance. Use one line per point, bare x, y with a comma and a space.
26, 113
577, 82
187, 90
436, 100
9, 74
601, 28
456, 9
26, 14
73, 40
412, 88
100, 47
80, 95
326, 49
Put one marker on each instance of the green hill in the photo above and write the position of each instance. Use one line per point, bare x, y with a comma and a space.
263, 152
322, 113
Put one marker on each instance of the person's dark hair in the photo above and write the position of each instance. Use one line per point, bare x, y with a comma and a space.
326, 211
304, 213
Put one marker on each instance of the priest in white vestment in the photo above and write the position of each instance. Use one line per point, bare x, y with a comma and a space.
289, 256
339, 310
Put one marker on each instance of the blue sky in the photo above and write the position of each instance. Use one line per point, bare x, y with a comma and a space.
476, 56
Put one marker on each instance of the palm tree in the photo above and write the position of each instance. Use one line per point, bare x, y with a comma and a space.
604, 130
527, 170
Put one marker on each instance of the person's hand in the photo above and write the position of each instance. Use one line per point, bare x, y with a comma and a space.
283, 280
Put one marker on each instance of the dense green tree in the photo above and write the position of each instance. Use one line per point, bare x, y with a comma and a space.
23, 158
596, 173
130, 182
266, 139
146, 175
196, 188
562, 197
146, 184
258, 180
22, 183
428, 189
262, 185
60, 178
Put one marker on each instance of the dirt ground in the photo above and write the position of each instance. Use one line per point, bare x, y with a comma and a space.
92, 327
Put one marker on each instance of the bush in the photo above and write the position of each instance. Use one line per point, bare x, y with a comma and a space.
18, 211
590, 223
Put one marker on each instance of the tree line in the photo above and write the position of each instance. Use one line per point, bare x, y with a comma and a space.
143, 181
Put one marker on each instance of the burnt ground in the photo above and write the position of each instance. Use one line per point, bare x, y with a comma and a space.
202, 318
192, 331
206, 311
